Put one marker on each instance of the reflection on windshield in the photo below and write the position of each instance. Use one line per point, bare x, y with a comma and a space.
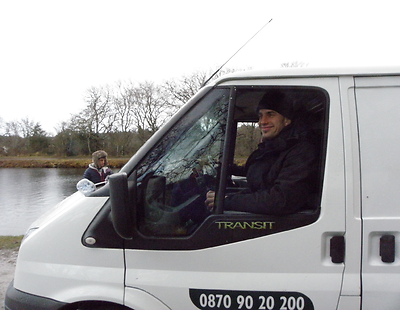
183, 167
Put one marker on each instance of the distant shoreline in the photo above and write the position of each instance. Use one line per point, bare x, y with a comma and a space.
48, 162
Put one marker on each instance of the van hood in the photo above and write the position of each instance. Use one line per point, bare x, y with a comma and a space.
65, 205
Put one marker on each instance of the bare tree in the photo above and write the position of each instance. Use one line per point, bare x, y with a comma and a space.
247, 139
13, 128
13, 142
24, 136
26, 127
150, 107
96, 119
97, 112
123, 105
180, 91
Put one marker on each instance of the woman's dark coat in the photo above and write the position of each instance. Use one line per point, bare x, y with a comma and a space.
96, 175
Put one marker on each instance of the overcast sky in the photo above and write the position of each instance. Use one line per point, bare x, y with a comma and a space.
53, 51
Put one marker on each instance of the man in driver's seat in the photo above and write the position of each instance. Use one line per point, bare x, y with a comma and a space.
281, 172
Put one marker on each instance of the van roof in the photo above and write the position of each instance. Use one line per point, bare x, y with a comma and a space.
311, 72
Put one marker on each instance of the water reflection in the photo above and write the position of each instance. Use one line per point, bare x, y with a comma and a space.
25, 194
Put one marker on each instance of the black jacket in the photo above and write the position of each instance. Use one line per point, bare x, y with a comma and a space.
97, 175
280, 175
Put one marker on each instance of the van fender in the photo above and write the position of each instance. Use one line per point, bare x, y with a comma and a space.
139, 299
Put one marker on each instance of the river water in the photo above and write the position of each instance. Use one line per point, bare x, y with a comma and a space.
25, 194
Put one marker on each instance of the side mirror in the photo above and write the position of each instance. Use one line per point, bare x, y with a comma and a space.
85, 186
122, 208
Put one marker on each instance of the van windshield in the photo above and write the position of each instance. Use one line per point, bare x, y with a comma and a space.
175, 177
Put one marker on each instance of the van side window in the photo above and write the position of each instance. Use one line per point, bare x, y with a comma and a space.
278, 174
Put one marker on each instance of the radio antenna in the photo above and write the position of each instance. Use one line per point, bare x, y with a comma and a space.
236, 53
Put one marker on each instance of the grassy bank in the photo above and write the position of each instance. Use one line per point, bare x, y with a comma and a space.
10, 242
42, 162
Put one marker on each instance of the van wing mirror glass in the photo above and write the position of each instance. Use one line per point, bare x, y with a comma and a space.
86, 186
122, 208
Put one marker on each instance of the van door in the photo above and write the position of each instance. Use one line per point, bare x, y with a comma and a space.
378, 109
188, 257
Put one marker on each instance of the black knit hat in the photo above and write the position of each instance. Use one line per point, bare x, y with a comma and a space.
278, 101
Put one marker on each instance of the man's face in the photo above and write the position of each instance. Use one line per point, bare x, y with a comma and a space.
271, 123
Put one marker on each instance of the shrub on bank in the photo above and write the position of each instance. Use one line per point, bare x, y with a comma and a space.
10, 242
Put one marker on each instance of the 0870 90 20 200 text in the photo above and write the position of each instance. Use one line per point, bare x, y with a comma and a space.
249, 300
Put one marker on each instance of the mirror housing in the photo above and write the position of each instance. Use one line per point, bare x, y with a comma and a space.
122, 208
85, 186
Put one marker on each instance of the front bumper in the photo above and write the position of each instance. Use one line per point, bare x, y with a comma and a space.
18, 300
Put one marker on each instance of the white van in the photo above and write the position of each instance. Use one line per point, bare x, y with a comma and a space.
146, 241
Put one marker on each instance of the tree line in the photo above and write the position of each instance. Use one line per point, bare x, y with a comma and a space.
118, 118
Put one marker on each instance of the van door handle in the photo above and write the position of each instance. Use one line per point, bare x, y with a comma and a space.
387, 248
337, 248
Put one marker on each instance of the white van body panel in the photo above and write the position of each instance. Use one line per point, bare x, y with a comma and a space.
378, 109
57, 210
138, 299
55, 256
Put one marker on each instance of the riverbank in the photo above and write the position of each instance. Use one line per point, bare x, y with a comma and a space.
9, 246
50, 162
